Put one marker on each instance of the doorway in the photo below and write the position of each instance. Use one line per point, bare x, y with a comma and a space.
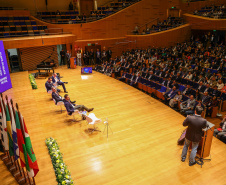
14, 60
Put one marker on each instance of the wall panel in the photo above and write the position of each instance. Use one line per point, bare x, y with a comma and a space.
161, 39
30, 57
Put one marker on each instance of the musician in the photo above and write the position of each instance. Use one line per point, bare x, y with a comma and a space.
56, 79
194, 132
49, 85
71, 108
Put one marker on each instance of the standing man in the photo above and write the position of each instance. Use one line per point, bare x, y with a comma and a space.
91, 57
68, 55
109, 53
98, 57
195, 124
104, 55
62, 54
79, 58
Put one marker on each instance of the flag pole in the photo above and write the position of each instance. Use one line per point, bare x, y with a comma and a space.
22, 128
12, 158
11, 101
6, 150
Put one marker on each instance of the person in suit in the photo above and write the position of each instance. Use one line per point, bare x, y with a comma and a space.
206, 98
62, 57
201, 87
195, 124
215, 92
71, 108
189, 104
123, 78
57, 97
49, 85
98, 57
68, 55
170, 94
104, 55
91, 57
136, 80
209, 107
187, 90
56, 79
133, 77
109, 54
174, 101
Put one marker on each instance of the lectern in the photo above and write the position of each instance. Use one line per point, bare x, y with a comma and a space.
206, 141
73, 62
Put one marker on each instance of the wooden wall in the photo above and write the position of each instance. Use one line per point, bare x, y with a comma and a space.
25, 42
161, 39
117, 45
202, 23
30, 57
118, 25
14, 13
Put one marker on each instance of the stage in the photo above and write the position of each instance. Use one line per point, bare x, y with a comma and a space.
142, 149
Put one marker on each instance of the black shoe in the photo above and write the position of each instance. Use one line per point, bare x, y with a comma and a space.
183, 159
73, 101
66, 82
192, 163
65, 92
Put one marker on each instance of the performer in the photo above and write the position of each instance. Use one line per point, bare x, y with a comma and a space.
195, 124
56, 79
71, 108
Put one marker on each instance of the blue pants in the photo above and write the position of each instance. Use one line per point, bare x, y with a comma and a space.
193, 150
61, 83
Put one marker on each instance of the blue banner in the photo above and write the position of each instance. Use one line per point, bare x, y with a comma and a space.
5, 81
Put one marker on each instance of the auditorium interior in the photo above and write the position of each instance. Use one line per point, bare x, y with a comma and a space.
104, 87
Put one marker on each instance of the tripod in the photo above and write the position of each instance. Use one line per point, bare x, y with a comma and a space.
106, 126
200, 161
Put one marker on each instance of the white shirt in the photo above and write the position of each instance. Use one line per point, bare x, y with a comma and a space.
79, 55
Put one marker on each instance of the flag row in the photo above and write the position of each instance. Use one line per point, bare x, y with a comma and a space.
15, 138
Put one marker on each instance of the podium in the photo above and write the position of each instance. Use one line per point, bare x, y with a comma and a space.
73, 62
205, 146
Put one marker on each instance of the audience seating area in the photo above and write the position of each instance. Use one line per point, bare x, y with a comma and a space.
216, 12
157, 71
19, 26
73, 17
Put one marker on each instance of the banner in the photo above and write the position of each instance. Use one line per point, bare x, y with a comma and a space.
5, 81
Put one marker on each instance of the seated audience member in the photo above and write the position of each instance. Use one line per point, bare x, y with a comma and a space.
57, 97
136, 80
207, 89
213, 103
201, 87
170, 94
220, 85
223, 90
123, 78
189, 104
206, 98
56, 79
197, 95
215, 92
132, 78
218, 132
187, 91
71, 108
174, 101
189, 76
49, 85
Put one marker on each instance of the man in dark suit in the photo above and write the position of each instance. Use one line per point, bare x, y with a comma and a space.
68, 55
71, 108
205, 98
187, 91
170, 94
109, 53
57, 97
98, 57
136, 80
62, 55
194, 132
201, 87
91, 57
56, 79
49, 85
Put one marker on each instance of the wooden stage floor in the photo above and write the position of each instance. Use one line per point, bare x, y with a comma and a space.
142, 150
